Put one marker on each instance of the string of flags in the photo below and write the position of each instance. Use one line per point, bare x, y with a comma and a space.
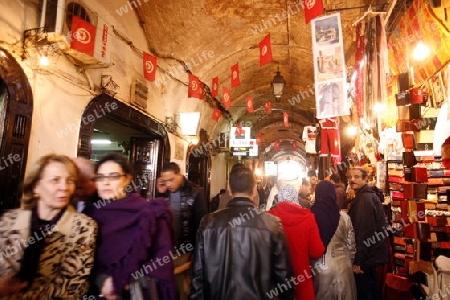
196, 87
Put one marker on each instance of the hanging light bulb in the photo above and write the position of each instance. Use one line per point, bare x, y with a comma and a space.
421, 51
43, 61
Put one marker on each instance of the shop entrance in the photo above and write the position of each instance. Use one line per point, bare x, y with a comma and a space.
108, 125
16, 107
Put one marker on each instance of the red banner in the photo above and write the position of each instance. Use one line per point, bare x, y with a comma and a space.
216, 114
267, 107
258, 140
276, 145
265, 51
239, 131
294, 145
235, 81
83, 36
249, 101
313, 9
149, 66
201, 91
215, 86
226, 97
194, 86
285, 119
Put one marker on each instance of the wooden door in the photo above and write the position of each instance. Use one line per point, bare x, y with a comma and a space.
146, 162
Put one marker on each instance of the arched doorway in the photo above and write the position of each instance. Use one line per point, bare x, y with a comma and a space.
16, 108
199, 164
147, 151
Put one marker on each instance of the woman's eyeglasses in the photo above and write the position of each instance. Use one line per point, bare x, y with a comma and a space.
110, 177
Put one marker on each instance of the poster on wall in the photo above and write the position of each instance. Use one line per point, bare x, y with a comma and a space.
179, 150
329, 67
437, 89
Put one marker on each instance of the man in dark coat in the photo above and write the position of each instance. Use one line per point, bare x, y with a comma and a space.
369, 224
188, 205
241, 251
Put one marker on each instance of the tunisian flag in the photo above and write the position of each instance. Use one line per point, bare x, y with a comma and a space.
235, 81
149, 66
201, 91
267, 107
285, 119
215, 86
249, 101
313, 9
193, 87
83, 36
265, 51
294, 145
258, 140
226, 97
216, 114
276, 145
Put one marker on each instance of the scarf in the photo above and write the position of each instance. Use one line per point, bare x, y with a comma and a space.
31, 256
287, 192
131, 231
326, 210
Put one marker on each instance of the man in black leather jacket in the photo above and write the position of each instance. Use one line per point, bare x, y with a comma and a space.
188, 205
369, 224
241, 252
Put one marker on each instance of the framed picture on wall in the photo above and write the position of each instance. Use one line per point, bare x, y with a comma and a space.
437, 89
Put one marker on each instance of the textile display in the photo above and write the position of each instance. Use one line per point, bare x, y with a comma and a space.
329, 67
418, 24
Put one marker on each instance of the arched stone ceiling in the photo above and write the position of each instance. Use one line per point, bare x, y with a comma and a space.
212, 35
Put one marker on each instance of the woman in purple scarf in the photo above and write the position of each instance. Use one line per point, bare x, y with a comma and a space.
135, 239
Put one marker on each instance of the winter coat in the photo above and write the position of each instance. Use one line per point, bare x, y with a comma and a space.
304, 243
335, 279
67, 259
369, 224
241, 253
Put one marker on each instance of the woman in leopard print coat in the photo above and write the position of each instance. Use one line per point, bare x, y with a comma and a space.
46, 247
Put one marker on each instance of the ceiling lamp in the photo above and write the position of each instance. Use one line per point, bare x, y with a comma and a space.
278, 85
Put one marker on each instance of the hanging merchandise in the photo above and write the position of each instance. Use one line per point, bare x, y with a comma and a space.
359, 68
329, 67
330, 139
309, 137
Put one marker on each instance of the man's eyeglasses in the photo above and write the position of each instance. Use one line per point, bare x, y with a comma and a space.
110, 177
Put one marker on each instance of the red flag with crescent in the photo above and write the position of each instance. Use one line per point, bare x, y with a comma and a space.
226, 97
216, 114
249, 101
285, 119
83, 36
215, 86
194, 86
258, 140
267, 107
149, 66
235, 81
265, 51
276, 145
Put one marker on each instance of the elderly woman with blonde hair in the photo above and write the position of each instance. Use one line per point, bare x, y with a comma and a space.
47, 248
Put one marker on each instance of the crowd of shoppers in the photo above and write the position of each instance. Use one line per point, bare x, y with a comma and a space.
83, 231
